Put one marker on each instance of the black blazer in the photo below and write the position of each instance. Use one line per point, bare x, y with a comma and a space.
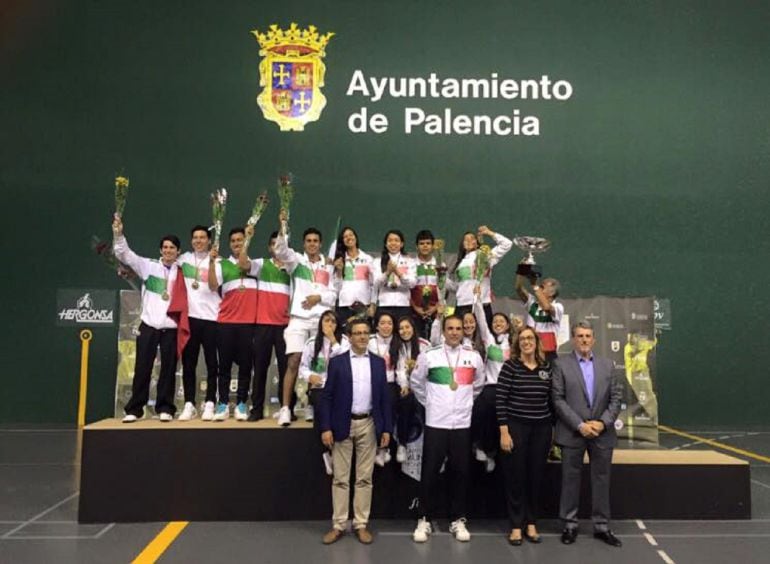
337, 398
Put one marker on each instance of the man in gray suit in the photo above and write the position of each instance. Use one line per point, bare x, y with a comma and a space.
586, 398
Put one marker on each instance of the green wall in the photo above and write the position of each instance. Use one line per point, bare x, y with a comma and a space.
651, 179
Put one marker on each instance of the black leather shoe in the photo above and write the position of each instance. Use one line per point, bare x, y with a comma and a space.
254, 417
608, 537
568, 536
514, 541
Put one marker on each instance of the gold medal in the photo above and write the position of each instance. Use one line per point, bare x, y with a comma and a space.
164, 295
453, 383
195, 285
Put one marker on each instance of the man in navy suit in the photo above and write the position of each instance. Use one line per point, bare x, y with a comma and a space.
354, 413
586, 397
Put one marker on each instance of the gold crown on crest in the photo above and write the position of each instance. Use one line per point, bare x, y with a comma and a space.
294, 36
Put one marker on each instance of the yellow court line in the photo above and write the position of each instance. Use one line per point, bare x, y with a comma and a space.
717, 444
160, 543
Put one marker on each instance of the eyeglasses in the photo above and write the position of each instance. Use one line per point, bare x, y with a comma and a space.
527, 338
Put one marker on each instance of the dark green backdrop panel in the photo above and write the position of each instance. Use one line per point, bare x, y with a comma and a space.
650, 180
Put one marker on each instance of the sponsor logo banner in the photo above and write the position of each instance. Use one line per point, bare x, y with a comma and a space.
76, 308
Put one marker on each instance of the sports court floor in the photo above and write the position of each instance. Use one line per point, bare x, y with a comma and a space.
38, 521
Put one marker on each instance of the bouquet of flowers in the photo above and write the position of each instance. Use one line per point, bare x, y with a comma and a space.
256, 213
426, 294
121, 192
482, 263
218, 203
286, 193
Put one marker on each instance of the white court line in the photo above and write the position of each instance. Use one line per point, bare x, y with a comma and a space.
476, 534
650, 539
39, 515
641, 525
731, 432
713, 536
757, 482
47, 538
53, 522
448, 534
101, 533
707, 521
666, 558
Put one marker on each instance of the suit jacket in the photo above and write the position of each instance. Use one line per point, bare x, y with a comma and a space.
336, 403
570, 401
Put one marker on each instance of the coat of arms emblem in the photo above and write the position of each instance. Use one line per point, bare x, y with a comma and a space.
292, 73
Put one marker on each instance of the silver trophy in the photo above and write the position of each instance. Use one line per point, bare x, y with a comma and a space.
530, 245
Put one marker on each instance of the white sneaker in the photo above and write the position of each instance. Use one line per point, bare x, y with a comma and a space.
189, 412
379, 458
422, 531
241, 412
130, 419
327, 456
489, 466
222, 413
208, 411
458, 529
284, 416
165, 417
401, 453
481, 456
309, 413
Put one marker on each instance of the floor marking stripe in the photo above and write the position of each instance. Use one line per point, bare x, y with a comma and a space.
666, 558
39, 515
713, 536
160, 543
47, 537
101, 533
641, 525
717, 444
757, 482
650, 539
480, 534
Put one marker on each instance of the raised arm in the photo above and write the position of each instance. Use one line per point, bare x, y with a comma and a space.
124, 253
486, 335
213, 279
502, 245
288, 256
